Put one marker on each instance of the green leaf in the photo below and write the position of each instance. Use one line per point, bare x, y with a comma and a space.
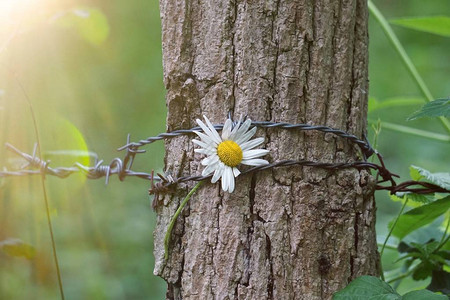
436, 108
414, 173
374, 104
412, 255
439, 25
405, 248
367, 287
373, 288
423, 271
423, 294
90, 23
414, 200
428, 248
420, 216
16, 247
440, 179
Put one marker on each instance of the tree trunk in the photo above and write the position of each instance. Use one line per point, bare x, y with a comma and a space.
286, 233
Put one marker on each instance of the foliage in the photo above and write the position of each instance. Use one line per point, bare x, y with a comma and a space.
369, 287
432, 260
436, 24
421, 261
419, 216
436, 108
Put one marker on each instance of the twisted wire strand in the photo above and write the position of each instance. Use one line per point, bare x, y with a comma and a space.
37, 166
407, 186
364, 145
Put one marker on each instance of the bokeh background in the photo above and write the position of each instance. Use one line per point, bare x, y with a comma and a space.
91, 72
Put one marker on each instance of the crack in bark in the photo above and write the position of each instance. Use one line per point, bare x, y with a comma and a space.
355, 245
270, 283
233, 56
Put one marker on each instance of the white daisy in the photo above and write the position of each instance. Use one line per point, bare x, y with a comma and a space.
226, 152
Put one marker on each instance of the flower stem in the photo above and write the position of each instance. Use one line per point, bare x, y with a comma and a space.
175, 217
405, 58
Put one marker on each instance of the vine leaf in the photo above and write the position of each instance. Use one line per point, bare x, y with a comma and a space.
370, 287
439, 25
423, 294
440, 179
436, 108
367, 287
419, 217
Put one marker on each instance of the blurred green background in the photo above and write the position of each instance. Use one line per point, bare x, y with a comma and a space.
92, 71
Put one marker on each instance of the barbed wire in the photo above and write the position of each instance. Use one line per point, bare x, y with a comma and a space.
364, 145
163, 183
36, 166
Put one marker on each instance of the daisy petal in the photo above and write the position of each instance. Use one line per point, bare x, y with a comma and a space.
205, 138
230, 180
209, 169
210, 160
218, 173
235, 129
215, 135
204, 151
242, 129
203, 126
226, 131
245, 126
255, 162
254, 153
245, 137
203, 145
208, 131
252, 144
236, 172
224, 180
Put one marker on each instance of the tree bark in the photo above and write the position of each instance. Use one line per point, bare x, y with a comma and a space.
286, 233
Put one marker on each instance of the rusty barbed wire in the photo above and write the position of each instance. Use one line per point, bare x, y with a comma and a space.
163, 183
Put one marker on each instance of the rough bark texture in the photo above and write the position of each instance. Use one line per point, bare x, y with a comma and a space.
289, 233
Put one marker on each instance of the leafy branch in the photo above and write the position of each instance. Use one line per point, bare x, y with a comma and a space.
405, 58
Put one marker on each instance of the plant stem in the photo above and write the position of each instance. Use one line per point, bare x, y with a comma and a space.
387, 246
445, 237
405, 58
376, 129
44, 190
401, 276
414, 131
390, 232
175, 217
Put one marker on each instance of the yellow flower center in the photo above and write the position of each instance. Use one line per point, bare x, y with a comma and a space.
229, 153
